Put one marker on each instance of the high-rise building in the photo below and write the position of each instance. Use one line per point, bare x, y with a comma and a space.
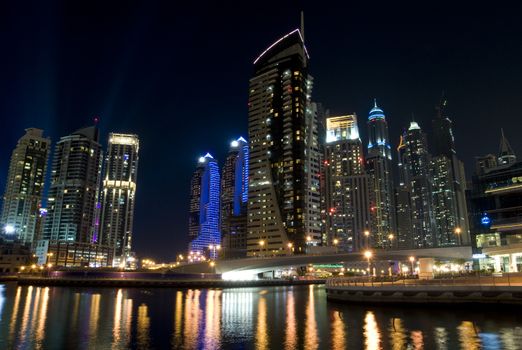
24, 188
279, 127
234, 199
415, 164
314, 155
347, 186
204, 199
74, 194
403, 200
119, 195
450, 211
495, 211
380, 169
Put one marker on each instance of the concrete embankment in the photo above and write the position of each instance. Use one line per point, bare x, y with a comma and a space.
418, 293
152, 283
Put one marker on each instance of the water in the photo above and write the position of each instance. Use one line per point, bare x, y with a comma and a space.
252, 318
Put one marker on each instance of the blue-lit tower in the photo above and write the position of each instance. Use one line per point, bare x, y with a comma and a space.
205, 199
234, 199
380, 169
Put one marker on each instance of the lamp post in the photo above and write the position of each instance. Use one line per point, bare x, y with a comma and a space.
412, 260
458, 230
391, 237
335, 243
214, 247
367, 235
290, 245
261, 244
368, 255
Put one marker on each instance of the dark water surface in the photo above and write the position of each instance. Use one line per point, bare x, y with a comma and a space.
253, 318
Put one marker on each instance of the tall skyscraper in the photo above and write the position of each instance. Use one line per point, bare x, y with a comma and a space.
347, 186
314, 155
119, 195
403, 200
234, 199
380, 169
448, 184
279, 128
24, 188
73, 195
204, 200
415, 164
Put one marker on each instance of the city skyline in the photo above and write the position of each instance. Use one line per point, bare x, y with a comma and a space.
111, 103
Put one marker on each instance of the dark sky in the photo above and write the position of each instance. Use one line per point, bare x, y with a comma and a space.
177, 75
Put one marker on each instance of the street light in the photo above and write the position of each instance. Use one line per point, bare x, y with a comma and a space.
458, 230
391, 237
367, 235
261, 244
335, 243
412, 260
290, 245
368, 255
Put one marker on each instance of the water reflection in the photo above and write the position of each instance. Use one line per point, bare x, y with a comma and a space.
338, 331
291, 324
264, 318
311, 338
372, 335
143, 327
261, 334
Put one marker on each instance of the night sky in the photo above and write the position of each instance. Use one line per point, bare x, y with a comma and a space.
177, 75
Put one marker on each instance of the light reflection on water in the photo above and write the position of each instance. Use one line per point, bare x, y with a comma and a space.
260, 318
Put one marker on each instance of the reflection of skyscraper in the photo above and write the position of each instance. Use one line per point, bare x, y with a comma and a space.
448, 185
379, 168
347, 185
279, 97
415, 163
234, 199
73, 194
119, 191
24, 188
205, 200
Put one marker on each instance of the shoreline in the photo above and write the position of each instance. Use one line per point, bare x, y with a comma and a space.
155, 283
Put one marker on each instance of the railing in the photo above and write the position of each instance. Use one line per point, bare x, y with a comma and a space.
506, 279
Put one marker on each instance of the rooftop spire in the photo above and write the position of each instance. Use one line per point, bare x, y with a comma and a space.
442, 105
302, 25
374, 103
505, 153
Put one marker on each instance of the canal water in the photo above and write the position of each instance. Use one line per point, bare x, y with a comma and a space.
296, 317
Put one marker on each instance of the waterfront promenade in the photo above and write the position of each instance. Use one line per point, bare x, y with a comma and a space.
506, 289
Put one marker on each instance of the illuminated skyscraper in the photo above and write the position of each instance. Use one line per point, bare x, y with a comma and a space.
119, 195
73, 195
279, 130
347, 186
415, 165
448, 185
24, 188
380, 169
204, 200
234, 199
403, 200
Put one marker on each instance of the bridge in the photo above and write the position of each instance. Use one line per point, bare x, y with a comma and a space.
251, 266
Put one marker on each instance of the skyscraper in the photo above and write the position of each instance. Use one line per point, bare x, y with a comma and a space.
279, 128
204, 200
347, 185
119, 195
403, 200
73, 195
415, 164
448, 184
379, 167
24, 188
234, 199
